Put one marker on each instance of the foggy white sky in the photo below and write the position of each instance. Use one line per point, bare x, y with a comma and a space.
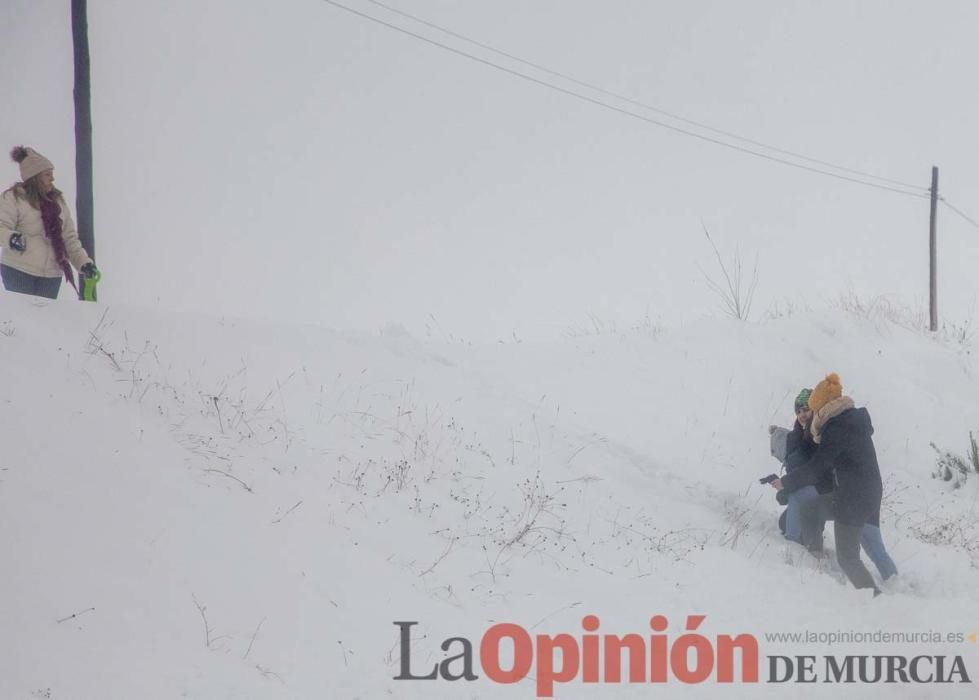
290, 160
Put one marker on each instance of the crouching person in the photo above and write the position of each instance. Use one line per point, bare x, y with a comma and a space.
805, 516
845, 452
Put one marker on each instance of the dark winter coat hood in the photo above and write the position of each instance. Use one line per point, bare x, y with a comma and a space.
846, 453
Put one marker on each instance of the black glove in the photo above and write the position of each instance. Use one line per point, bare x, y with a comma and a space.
782, 496
89, 270
16, 242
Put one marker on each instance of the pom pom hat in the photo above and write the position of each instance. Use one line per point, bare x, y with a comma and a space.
802, 400
826, 391
31, 162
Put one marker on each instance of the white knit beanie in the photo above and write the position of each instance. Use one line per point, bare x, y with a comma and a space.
31, 162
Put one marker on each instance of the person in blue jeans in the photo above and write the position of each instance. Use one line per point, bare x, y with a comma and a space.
873, 544
39, 243
809, 507
794, 448
810, 511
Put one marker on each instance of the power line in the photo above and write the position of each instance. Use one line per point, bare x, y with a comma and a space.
637, 103
959, 212
621, 110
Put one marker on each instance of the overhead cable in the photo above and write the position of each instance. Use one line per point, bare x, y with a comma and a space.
916, 192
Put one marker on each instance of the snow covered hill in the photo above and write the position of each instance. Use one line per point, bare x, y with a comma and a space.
194, 507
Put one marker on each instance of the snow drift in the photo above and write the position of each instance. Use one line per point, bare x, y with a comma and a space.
209, 508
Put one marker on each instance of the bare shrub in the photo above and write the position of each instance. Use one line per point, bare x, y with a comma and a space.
644, 326
961, 533
882, 308
538, 519
954, 468
737, 520
737, 293
646, 534
786, 308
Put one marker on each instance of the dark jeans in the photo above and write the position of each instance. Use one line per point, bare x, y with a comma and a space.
17, 281
848, 555
813, 514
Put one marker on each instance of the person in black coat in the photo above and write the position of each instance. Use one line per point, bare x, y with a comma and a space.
846, 454
804, 518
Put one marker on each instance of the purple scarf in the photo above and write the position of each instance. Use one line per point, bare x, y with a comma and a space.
51, 216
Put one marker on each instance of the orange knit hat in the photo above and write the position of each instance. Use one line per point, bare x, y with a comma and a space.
827, 390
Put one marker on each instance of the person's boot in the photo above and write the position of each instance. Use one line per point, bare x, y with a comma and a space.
812, 539
815, 536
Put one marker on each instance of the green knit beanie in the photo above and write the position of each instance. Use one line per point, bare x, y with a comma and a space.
802, 400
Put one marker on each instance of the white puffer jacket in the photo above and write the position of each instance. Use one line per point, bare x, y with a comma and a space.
17, 215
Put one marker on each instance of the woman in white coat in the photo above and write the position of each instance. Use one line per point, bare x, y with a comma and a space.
37, 235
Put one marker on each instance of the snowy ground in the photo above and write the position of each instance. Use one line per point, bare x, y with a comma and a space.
239, 510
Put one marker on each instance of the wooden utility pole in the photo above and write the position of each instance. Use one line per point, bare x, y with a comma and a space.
932, 250
84, 200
